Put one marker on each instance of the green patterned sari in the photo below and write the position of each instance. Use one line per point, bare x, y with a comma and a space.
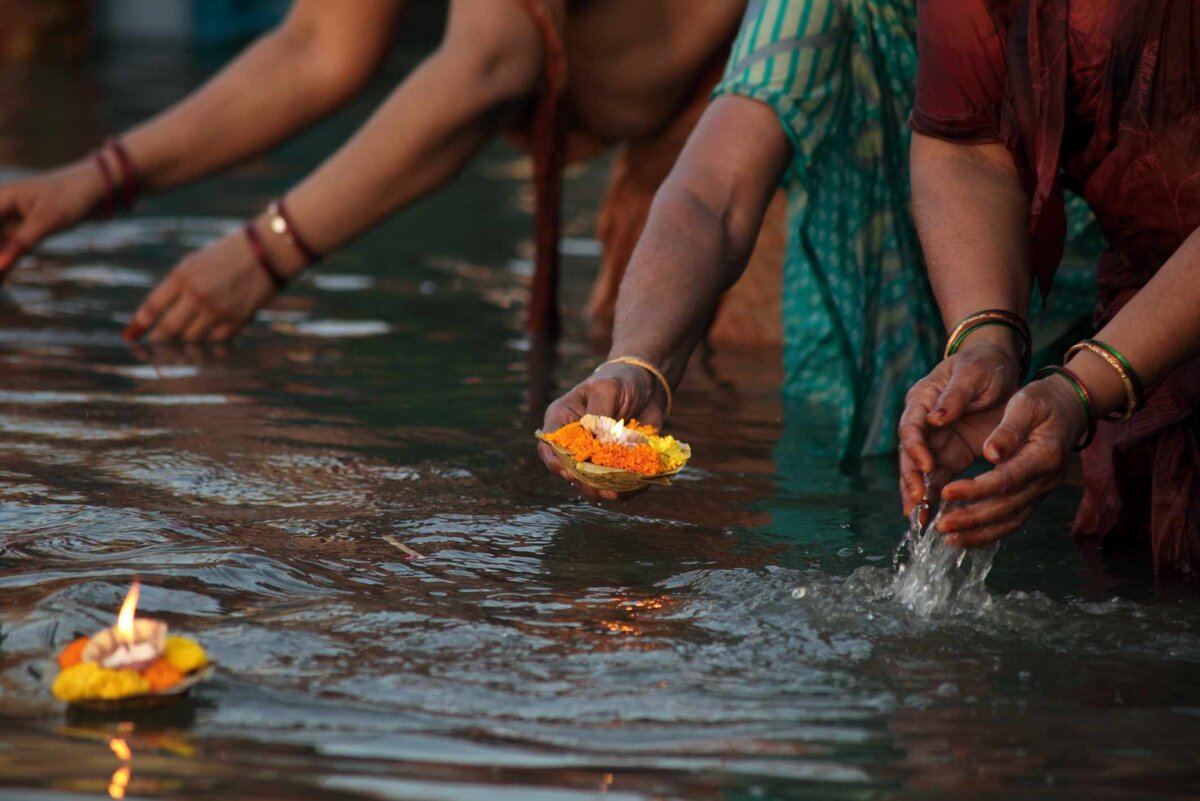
860, 323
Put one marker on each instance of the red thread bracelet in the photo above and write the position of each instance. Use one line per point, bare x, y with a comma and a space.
260, 255
280, 222
128, 174
109, 186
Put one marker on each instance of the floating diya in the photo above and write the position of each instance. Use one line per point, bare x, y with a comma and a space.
135, 663
608, 454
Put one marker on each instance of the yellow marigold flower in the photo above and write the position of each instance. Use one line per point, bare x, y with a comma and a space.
88, 681
185, 655
670, 451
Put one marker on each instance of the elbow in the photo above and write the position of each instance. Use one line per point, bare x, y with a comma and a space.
334, 68
713, 225
497, 78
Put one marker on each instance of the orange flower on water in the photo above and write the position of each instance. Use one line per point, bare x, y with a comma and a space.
162, 675
72, 654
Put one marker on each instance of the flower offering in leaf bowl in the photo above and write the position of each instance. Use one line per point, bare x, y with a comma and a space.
608, 454
135, 664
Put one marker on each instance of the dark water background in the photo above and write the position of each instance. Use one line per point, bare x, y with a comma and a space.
730, 638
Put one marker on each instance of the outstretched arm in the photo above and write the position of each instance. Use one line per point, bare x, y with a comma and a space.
488, 64
316, 59
698, 239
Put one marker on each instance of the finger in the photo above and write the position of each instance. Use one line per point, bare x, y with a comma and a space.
985, 535
993, 510
1019, 420
10, 253
199, 328
567, 409
552, 462
222, 332
1031, 464
912, 483
957, 396
152, 308
175, 320
604, 398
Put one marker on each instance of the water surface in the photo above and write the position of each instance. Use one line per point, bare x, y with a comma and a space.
734, 637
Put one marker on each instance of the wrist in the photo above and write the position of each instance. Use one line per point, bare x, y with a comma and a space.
1108, 393
284, 258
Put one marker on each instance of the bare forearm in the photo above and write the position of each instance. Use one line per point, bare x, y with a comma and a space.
972, 216
283, 82
1157, 330
701, 231
419, 139
681, 266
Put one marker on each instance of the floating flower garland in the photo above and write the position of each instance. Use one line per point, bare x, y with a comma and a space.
134, 662
609, 454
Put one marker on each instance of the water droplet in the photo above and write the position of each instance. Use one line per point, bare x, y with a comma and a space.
799, 592
947, 689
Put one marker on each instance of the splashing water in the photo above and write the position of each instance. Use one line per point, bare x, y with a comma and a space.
938, 577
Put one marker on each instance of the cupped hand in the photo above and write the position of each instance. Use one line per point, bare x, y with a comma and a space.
209, 296
949, 414
620, 391
33, 208
1031, 448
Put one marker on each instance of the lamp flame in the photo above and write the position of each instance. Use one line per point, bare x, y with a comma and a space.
125, 629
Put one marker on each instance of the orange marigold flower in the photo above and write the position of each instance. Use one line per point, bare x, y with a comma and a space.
575, 438
72, 654
642, 428
162, 675
636, 459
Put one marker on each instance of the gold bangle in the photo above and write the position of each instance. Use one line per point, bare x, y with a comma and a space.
1130, 393
654, 371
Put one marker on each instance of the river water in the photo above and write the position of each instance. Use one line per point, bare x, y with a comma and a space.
738, 636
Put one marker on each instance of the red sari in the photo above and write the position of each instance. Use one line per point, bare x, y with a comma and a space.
1102, 96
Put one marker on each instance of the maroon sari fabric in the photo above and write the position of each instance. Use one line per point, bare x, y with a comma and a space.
1102, 96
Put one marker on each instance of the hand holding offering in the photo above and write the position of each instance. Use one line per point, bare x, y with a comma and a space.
608, 455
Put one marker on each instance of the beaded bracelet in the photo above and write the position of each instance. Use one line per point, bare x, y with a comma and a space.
280, 223
982, 319
1085, 398
260, 255
1135, 393
654, 371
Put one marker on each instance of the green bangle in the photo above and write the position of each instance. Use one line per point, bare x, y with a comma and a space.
1085, 398
1139, 389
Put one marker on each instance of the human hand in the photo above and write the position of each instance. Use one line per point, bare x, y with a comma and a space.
620, 391
209, 296
949, 414
33, 208
1031, 448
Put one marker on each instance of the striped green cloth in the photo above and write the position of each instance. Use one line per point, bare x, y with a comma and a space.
859, 322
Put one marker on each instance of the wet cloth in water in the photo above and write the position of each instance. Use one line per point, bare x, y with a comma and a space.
860, 324
1101, 97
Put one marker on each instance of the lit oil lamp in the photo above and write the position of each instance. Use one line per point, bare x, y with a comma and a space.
608, 454
132, 663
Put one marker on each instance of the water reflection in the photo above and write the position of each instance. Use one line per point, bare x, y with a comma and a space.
734, 637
